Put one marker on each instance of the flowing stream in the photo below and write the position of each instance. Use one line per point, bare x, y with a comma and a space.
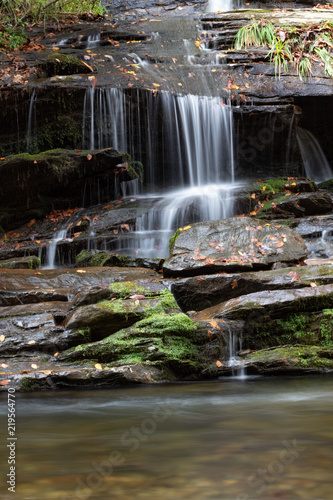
257, 439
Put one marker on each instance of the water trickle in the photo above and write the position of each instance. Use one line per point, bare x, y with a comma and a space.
93, 41
51, 250
315, 162
31, 128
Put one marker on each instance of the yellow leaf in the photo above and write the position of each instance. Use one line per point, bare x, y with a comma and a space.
186, 228
34, 366
198, 43
264, 188
80, 271
32, 342
2, 338
55, 48
98, 366
156, 84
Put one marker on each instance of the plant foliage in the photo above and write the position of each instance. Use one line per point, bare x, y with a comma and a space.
291, 47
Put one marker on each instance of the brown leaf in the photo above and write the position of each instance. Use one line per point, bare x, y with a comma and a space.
210, 334
4, 382
313, 285
279, 244
137, 297
234, 284
295, 278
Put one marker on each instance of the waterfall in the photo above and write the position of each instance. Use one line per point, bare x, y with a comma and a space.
315, 162
51, 250
235, 345
184, 142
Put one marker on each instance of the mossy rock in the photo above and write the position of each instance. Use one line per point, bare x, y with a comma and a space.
326, 185
292, 359
160, 339
63, 64
31, 262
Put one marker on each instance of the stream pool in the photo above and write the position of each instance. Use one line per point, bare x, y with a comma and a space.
251, 439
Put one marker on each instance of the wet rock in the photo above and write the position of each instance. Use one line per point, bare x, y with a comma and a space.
130, 304
53, 178
63, 64
235, 244
291, 360
91, 258
202, 292
19, 297
31, 262
271, 303
301, 205
51, 377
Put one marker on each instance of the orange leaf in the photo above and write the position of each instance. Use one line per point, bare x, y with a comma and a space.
313, 284
234, 284
210, 334
253, 196
295, 278
280, 244
31, 342
259, 228
31, 223
4, 382
89, 156
203, 257
219, 364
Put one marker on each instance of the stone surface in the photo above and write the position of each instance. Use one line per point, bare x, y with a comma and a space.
271, 303
32, 262
202, 292
235, 244
301, 205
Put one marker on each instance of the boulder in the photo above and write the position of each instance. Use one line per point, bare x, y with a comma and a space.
234, 244
300, 205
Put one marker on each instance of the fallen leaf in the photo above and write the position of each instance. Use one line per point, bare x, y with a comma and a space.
98, 366
4, 365
279, 244
4, 382
34, 366
219, 364
214, 324
259, 228
31, 342
80, 271
156, 84
313, 285
234, 284
2, 338
137, 297
89, 156
137, 302
295, 278
47, 372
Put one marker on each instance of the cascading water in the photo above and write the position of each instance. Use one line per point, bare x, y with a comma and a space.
183, 140
235, 345
51, 250
315, 162
224, 5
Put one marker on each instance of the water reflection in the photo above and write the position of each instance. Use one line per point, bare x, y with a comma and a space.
257, 439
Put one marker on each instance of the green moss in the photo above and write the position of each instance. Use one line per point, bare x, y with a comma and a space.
29, 385
326, 328
326, 185
34, 263
166, 303
304, 357
173, 241
63, 64
123, 289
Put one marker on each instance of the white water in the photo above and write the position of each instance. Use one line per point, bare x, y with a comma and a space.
31, 128
51, 250
184, 141
223, 5
315, 162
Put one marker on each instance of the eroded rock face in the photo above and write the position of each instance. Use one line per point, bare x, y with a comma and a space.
235, 244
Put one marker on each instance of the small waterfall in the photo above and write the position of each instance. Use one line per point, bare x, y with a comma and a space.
235, 345
315, 162
51, 250
93, 41
31, 127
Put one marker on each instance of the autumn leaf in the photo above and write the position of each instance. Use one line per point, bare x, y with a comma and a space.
253, 196
34, 366
219, 364
4, 382
196, 251
31, 342
47, 372
259, 228
203, 257
2, 338
125, 226
210, 334
31, 223
313, 285
295, 278
279, 244
4, 365
264, 188
89, 156
214, 324
137, 297
80, 271
212, 244
98, 366
156, 84
234, 284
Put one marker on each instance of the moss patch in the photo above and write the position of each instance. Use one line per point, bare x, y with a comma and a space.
304, 357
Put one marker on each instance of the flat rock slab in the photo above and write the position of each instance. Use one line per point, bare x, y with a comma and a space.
34, 375
201, 292
234, 244
301, 205
274, 304
70, 279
